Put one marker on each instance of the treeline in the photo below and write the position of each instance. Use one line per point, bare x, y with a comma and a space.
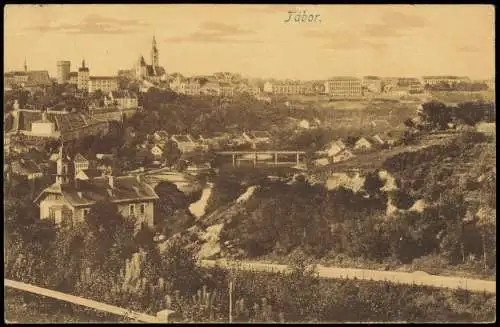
461, 86
438, 115
178, 113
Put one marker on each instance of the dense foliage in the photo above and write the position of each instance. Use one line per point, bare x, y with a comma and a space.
439, 115
450, 225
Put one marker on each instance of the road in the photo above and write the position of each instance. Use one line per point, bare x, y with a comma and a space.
418, 278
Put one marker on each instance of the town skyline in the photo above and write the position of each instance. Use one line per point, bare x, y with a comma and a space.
374, 42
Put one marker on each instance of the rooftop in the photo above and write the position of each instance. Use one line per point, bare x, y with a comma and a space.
181, 138
93, 78
125, 188
25, 167
343, 78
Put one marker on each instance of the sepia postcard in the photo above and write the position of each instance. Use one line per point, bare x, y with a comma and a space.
249, 163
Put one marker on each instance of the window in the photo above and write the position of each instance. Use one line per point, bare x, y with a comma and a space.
143, 208
52, 213
131, 210
86, 213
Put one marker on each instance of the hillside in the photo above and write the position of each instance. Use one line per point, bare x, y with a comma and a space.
411, 225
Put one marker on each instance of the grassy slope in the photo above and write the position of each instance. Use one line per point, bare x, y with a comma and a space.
21, 307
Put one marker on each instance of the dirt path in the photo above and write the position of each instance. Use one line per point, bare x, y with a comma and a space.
417, 278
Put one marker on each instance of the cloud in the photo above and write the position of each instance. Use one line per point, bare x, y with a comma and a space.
343, 40
224, 29
394, 24
215, 32
95, 24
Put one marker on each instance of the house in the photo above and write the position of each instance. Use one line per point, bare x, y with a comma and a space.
363, 144
189, 87
103, 156
383, 139
54, 157
89, 174
157, 151
321, 162
122, 99
26, 168
71, 197
185, 143
257, 137
380, 123
342, 155
333, 148
160, 136
304, 124
81, 163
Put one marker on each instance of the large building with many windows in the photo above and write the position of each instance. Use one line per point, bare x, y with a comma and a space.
344, 87
104, 83
450, 80
289, 88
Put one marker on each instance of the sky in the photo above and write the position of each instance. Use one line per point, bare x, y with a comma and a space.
256, 40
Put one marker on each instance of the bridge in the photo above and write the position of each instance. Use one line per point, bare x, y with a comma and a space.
255, 156
161, 317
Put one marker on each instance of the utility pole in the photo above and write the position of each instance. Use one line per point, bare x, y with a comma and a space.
231, 301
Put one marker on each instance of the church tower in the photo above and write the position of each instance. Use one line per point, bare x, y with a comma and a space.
154, 55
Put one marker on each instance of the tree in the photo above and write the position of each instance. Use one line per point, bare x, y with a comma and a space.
409, 123
373, 183
107, 232
436, 113
171, 153
171, 199
179, 266
486, 223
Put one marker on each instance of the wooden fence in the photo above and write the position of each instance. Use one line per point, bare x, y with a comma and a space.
162, 316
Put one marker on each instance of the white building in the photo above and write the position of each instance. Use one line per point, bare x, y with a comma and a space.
363, 144
104, 83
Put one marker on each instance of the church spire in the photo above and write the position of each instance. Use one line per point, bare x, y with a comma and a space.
83, 63
154, 54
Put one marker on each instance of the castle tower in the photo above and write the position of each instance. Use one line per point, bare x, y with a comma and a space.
83, 77
154, 55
